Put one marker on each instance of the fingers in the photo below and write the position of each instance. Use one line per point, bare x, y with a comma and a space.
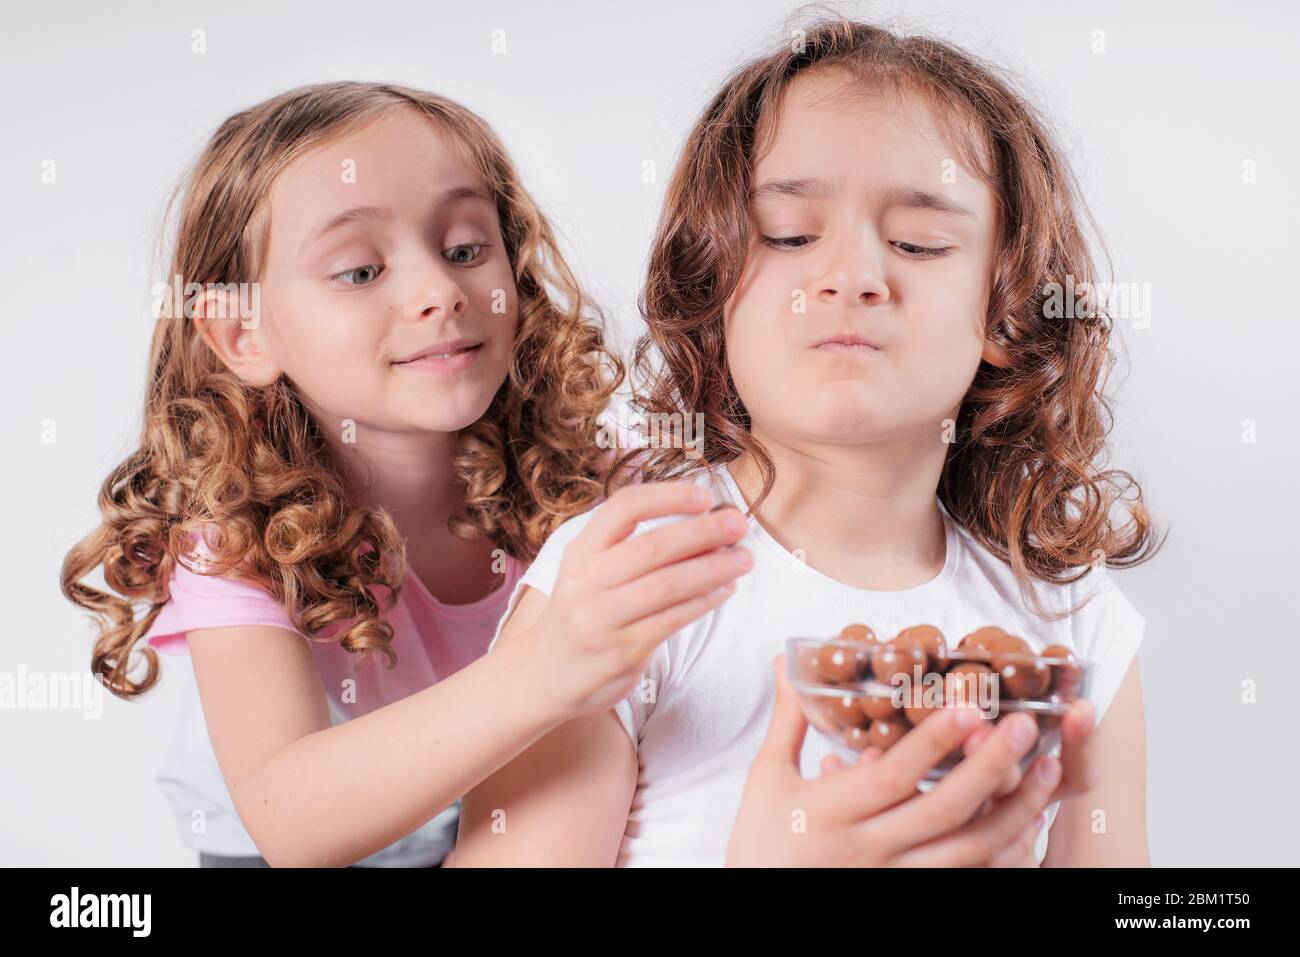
963, 790
1023, 851
633, 504
1002, 829
872, 787
1078, 750
831, 763
642, 636
678, 583
642, 554
1012, 780
788, 727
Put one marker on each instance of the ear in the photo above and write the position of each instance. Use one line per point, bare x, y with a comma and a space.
995, 351
995, 354
239, 341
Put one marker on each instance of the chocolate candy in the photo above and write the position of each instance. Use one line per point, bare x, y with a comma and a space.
808, 668
842, 664
981, 642
861, 633
857, 738
1022, 676
898, 658
878, 706
965, 683
1066, 675
845, 711
989, 661
930, 640
885, 732
922, 702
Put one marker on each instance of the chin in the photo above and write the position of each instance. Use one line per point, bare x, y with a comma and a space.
450, 414
841, 417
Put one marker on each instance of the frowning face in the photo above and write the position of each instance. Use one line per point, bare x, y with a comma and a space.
860, 314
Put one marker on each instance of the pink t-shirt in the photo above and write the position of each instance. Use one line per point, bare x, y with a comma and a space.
432, 640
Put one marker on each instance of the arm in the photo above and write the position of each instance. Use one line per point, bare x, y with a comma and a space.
310, 794
564, 801
1120, 743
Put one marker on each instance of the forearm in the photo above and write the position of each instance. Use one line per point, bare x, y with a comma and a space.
340, 794
1086, 834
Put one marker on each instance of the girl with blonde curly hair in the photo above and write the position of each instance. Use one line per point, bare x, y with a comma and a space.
372, 394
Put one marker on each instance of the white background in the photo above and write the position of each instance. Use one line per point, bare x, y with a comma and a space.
1158, 127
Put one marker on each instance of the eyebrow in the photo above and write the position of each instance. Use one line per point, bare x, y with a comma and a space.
899, 196
920, 199
356, 214
791, 187
365, 213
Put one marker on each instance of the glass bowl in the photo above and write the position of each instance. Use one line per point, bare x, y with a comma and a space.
859, 692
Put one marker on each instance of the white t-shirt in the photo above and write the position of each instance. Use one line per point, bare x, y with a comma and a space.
713, 687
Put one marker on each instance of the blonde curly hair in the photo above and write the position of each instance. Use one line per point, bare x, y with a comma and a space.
247, 468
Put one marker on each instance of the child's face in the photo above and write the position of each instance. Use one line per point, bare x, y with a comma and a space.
847, 198
424, 268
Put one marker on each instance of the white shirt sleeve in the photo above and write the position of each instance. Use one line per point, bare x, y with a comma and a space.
1107, 632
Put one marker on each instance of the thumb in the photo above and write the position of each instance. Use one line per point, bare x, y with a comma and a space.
789, 726
1079, 772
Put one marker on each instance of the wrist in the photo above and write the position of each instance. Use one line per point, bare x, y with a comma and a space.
525, 683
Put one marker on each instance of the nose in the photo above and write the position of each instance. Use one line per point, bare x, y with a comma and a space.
439, 295
854, 274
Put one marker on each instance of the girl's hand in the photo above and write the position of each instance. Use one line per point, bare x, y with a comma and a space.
616, 598
1079, 772
871, 814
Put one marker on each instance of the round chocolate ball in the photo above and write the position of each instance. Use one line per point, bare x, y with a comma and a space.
930, 640
878, 706
885, 732
862, 633
898, 658
965, 683
842, 663
845, 711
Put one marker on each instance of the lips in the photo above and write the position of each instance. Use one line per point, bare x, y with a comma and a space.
441, 350
846, 343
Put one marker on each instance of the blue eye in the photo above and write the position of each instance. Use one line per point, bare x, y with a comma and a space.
458, 254
371, 272
787, 242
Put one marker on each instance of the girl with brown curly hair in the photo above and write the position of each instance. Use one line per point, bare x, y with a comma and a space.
373, 390
849, 283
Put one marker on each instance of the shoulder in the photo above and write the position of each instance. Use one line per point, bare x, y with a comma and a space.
197, 600
1104, 622
1090, 614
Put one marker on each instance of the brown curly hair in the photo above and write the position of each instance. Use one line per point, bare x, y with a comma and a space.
1023, 476
249, 465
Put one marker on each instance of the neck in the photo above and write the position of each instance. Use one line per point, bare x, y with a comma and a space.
409, 474
865, 515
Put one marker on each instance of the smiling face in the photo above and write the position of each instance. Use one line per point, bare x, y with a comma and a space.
859, 243
403, 258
